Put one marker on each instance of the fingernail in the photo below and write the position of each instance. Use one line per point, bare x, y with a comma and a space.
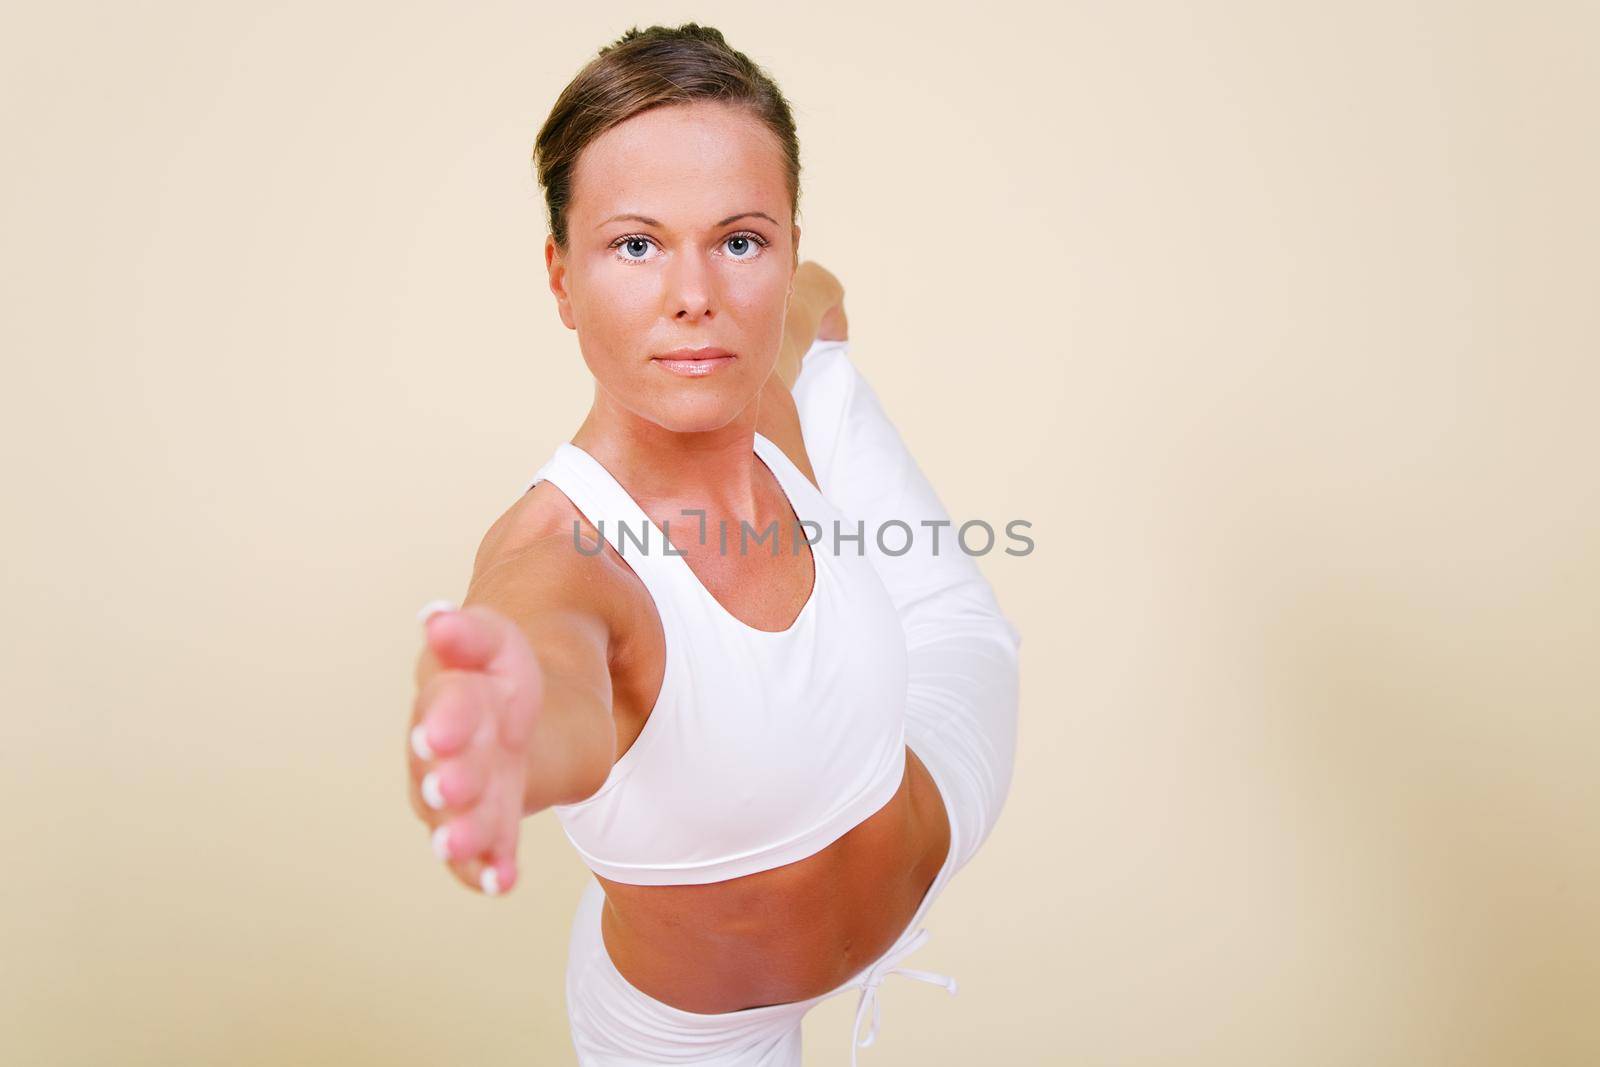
431, 791
441, 842
419, 743
432, 608
490, 881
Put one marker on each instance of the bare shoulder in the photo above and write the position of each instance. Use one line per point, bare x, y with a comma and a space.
531, 520
544, 563
542, 546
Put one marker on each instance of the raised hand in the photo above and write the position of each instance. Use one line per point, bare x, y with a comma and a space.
823, 290
815, 313
480, 690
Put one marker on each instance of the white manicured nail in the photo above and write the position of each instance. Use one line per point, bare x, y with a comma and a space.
431, 791
441, 843
419, 743
490, 880
432, 608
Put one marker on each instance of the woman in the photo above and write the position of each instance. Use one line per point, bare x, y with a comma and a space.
773, 759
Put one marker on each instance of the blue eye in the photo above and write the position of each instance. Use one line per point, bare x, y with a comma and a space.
631, 243
744, 246
745, 240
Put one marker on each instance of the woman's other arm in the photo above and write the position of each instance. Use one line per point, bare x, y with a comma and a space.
816, 312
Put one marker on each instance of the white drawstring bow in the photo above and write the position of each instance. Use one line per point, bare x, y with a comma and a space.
881, 970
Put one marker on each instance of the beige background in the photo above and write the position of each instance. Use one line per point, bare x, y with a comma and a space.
1277, 321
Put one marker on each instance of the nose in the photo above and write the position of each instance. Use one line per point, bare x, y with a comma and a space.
689, 286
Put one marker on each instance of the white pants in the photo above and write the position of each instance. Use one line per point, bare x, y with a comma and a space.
961, 722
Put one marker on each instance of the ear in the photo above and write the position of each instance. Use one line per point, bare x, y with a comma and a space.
557, 269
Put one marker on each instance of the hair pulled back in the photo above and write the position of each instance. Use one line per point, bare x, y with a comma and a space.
651, 68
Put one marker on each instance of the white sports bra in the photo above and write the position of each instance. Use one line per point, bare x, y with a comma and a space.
763, 746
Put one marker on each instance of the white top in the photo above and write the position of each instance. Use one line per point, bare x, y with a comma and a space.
763, 746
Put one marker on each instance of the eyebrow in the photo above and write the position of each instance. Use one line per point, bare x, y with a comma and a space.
648, 221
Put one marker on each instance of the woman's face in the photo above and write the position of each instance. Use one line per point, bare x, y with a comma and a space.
680, 237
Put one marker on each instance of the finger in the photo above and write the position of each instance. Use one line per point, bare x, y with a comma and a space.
458, 640
464, 844
421, 747
479, 638
459, 841
498, 877
418, 757
456, 842
451, 710
456, 784
419, 808
503, 855
496, 871
474, 638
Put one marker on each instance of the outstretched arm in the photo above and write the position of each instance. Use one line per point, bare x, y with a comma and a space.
513, 710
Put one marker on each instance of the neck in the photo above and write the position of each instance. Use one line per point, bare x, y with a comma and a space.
668, 469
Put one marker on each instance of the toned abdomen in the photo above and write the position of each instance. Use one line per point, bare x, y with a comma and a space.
788, 933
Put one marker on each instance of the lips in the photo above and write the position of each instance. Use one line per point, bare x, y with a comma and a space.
694, 362
694, 354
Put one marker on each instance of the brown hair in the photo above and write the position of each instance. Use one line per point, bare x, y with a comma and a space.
650, 68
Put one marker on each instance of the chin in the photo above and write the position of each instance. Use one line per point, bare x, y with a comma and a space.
697, 414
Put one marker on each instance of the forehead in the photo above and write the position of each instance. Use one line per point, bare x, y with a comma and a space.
683, 164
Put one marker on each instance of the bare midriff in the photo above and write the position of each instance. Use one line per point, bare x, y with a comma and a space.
789, 933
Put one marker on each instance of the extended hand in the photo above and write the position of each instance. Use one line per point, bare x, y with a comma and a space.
471, 724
